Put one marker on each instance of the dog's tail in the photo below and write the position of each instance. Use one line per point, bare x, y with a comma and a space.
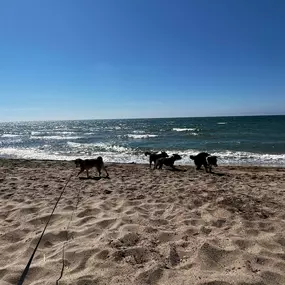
192, 157
147, 153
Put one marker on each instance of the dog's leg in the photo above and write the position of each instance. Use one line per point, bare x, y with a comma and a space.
106, 171
81, 170
210, 168
99, 167
155, 165
87, 173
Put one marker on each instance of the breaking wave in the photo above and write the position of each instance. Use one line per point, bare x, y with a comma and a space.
184, 129
145, 136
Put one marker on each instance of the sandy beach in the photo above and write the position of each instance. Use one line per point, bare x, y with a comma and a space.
142, 226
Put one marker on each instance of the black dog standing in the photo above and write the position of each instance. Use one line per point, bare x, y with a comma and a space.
205, 159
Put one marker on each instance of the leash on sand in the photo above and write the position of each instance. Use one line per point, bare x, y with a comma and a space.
67, 239
26, 270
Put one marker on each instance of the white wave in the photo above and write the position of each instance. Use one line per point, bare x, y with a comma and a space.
66, 133
10, 136
46, 133
183, 129
36, 133
34, 153
74, 144
248, 157
221, 123
29, 153
124, 155
100, 146
145, 136
55, 137
240, 158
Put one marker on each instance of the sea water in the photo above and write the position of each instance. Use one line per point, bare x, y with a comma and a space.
252, 140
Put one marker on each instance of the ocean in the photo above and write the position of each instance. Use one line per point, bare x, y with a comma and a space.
250, 140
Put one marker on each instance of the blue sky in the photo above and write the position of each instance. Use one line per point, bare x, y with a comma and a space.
79, 59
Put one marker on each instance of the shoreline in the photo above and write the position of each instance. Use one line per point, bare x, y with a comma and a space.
142, 226
59, 161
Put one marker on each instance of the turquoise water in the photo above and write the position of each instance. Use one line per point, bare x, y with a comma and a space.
255, 140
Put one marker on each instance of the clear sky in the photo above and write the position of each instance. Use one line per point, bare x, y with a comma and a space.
94, 59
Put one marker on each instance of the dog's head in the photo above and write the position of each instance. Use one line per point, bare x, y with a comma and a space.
100, 159
192, 157
164, 154
212, 160
176, 156
78, 162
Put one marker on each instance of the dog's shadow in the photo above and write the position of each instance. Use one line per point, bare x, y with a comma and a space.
217, 173
94, 178
177, 169
212, 172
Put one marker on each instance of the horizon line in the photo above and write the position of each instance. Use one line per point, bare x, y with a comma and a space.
143, 118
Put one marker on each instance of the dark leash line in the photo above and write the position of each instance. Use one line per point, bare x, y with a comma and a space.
26, 270
67, 239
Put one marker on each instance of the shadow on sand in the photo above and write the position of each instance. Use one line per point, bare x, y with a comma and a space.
217, 173
176, 169
94, 178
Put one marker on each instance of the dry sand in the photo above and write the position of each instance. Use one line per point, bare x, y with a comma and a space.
142, 226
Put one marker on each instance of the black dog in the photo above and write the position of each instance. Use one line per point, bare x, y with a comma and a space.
153, 156
86, 164
200, 159
168, 161
205, 159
